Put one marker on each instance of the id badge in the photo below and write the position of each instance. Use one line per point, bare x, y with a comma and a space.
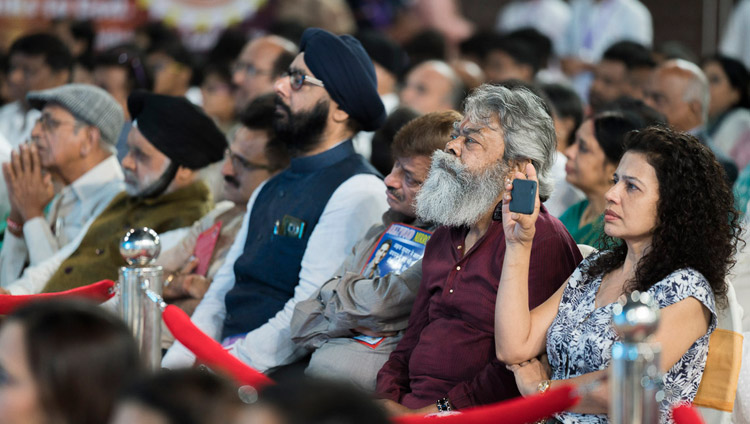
289, 226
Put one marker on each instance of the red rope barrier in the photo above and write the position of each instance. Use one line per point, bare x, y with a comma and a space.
98, 292
686, 414
209, 351
515, 411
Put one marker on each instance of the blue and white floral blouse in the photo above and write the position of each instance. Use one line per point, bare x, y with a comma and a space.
580, 339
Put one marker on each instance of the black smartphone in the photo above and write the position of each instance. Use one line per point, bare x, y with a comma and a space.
523, 196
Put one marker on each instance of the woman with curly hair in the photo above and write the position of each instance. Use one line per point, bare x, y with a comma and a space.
674, 231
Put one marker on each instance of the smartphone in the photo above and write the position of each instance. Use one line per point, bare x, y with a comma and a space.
523, 196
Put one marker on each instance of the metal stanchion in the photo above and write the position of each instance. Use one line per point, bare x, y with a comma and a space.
635, 380
140, 247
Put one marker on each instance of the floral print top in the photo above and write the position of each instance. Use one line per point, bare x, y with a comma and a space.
580, 339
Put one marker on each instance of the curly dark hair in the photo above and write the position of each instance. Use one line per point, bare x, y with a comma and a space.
697, 225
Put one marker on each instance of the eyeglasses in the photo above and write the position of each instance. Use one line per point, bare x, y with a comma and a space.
297, 79
248, 69
50, 124
240, 162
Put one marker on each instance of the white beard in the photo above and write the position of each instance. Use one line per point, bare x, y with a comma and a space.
454, 196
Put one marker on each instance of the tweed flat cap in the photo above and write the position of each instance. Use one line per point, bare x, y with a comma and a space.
87, 103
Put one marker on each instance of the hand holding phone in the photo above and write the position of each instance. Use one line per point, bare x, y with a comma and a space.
523, 196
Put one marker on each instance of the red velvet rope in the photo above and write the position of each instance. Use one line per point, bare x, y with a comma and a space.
209, 351
514, 411
686, 414
98, 292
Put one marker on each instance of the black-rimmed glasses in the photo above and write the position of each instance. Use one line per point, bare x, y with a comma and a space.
240, 162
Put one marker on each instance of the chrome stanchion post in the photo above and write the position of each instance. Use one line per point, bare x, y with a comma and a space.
635, 380
139, 248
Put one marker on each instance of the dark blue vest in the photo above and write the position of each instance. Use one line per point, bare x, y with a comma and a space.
268, 270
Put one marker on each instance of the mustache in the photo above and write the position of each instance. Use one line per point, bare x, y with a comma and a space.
231, 181
280, 103
394, 193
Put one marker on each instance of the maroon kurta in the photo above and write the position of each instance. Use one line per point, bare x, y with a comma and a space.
448, 349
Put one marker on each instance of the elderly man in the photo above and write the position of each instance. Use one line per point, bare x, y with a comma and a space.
679, 90
432, 86
260, 63
375, 308
73, 142
170, 141
254, 156
446, 358
624, 70
302, 223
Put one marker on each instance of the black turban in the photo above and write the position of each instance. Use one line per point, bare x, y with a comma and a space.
347, 73
178, 128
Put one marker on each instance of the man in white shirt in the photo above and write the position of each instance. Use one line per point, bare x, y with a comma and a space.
73, 143
36, 62
302, 223
594, 26
736, 40
550, 17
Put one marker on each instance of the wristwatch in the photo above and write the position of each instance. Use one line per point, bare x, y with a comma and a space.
444, 405
543, 386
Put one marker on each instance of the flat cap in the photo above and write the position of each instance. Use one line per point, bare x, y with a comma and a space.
347, 73
87, 103
178, 128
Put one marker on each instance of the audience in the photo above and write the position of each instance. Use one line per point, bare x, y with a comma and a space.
179, 397
261, 62
729, 110
64, 362
592, 160
679, 90
432, 86
170, 141
664, 241
376, 307
314, 402
519, 55
35, 62
303, 222
217, 94
121, 70
446, 358
624, 70
300, 265
254, 156
73, 143
567, 115
550, 17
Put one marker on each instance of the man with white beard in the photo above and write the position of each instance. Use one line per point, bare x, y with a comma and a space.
446, 360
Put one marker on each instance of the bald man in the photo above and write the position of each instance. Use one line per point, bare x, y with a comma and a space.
679, 90
260, 63
432, 86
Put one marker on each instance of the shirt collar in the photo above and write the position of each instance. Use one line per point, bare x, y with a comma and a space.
96, 179
308, 164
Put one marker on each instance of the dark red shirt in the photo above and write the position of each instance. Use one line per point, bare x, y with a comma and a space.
448, 349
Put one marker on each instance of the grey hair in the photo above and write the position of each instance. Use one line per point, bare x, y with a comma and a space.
458, 90
697, 88
526, 125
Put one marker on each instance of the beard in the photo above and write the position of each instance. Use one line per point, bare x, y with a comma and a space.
300, 132
454, 196
149, 189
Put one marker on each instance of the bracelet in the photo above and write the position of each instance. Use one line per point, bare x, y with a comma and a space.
15, 228
543, 386
444, 405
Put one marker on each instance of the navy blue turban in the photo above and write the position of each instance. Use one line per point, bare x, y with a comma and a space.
178, 128
347, 73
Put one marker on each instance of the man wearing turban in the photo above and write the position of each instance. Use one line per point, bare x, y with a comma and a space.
302, 223
170, 140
